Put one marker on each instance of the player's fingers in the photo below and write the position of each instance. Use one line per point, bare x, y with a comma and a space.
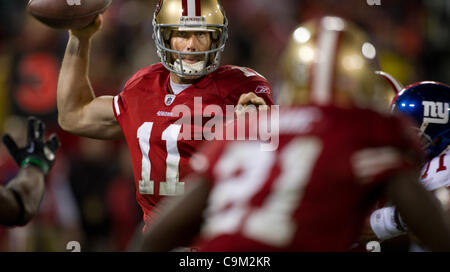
40, 128
258, 101
241, 100
89, 30
245, 98
53, 142
98, 22
10, 144
240, 107
32, 132
263, 108
250, 108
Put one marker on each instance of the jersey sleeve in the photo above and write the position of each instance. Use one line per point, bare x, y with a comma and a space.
119, 107
120, 100
394, 148
436, 173
247, 81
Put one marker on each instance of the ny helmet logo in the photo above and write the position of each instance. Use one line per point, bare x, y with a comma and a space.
435, 112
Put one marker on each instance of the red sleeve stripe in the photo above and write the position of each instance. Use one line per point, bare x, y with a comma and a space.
198, 8
184, 4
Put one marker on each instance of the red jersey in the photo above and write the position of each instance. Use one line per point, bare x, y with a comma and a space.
146, 112
311, 194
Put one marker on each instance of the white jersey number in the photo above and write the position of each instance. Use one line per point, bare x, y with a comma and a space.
171, 186
271, 223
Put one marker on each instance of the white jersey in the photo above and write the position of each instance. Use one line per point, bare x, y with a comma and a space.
436, 173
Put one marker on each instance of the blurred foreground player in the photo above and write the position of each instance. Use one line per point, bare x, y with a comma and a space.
337, 155
190, 37
427, 103
20, 199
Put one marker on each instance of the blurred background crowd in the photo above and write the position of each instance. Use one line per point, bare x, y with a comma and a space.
90, 195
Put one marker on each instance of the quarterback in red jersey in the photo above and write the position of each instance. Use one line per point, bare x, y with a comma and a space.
337, 155
190, 37
149, 123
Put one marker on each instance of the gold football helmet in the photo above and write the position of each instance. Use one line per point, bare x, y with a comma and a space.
331, 61
190, 15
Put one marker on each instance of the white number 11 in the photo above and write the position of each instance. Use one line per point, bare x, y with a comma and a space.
171, 186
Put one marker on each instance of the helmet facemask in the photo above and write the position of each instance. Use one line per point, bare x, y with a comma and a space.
172, 59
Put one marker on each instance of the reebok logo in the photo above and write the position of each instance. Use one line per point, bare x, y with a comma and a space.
435, 112
262, 89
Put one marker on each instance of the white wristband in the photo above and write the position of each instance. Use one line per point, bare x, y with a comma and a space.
383, 223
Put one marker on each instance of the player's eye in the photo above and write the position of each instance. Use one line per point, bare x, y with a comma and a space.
181, 34
200, 35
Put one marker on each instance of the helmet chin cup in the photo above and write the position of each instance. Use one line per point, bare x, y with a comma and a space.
183, 67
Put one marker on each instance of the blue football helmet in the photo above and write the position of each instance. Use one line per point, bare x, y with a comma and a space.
428, 103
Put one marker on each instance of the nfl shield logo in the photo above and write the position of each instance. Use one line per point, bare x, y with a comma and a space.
169, 99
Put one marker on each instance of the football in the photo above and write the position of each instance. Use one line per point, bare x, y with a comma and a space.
67, 14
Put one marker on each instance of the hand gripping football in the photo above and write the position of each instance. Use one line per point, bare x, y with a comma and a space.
67, 14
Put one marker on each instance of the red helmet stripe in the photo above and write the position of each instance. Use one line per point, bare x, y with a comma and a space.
198, 8
184, 4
